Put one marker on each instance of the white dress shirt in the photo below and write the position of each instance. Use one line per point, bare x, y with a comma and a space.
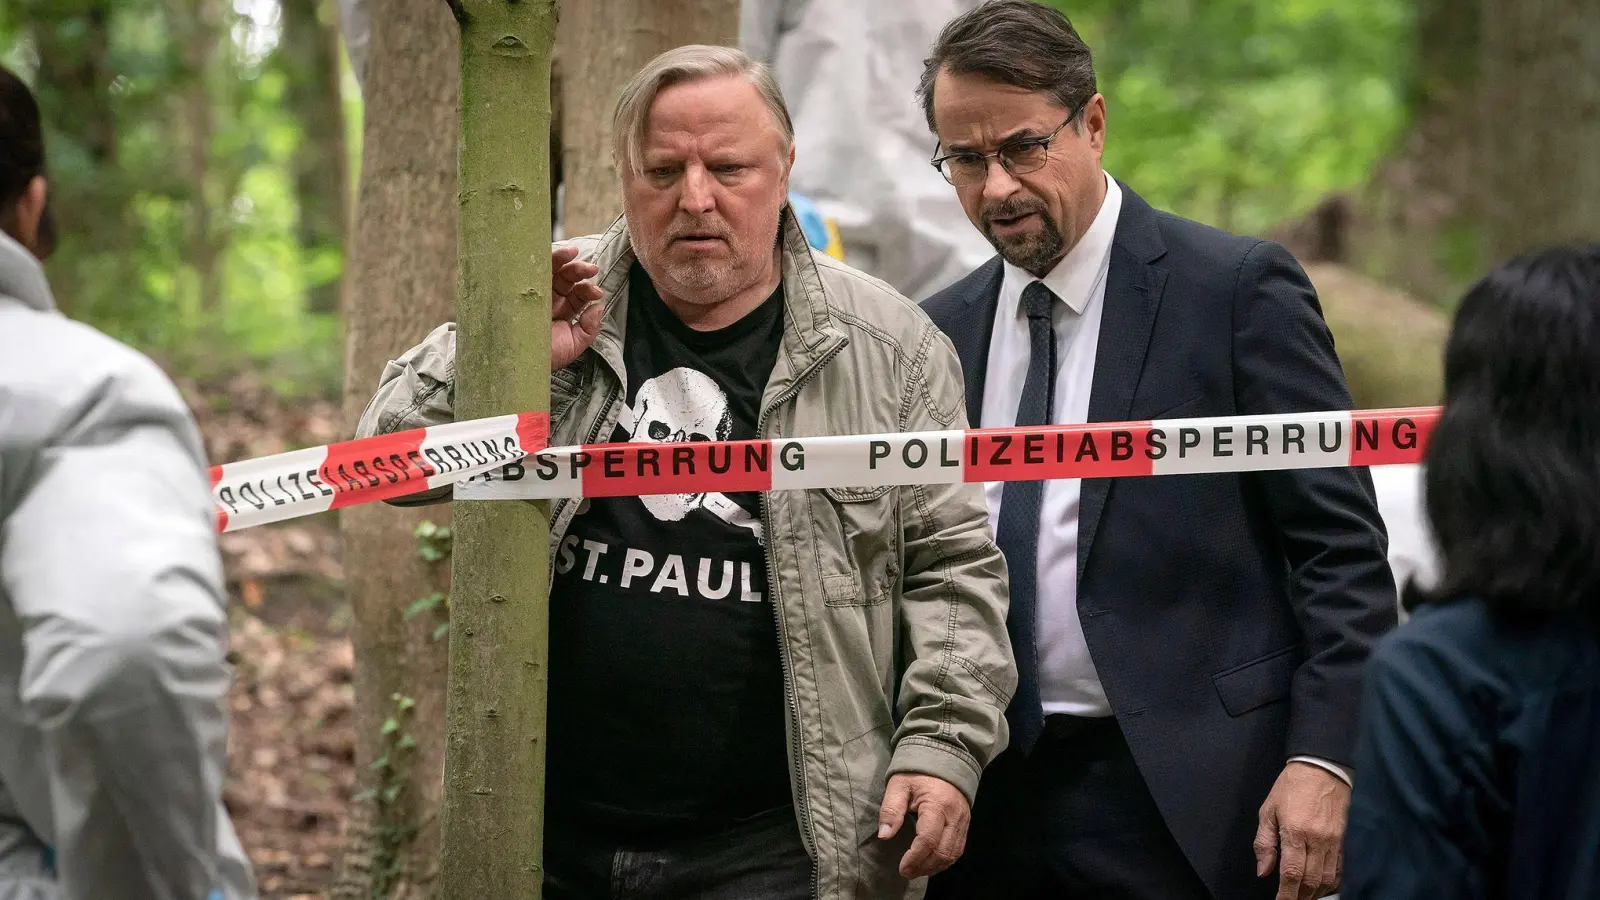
1068, 682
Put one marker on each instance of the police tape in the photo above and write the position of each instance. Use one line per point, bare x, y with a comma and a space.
302, 482
502, 459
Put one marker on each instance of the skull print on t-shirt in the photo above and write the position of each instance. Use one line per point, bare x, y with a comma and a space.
685, 404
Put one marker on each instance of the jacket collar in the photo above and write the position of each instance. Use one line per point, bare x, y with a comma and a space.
809, 332
22, 277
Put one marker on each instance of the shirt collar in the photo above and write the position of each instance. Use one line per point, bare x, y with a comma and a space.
1073, 278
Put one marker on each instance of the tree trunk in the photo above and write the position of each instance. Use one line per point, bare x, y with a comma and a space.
73, 42
1541, 117
402, 283
308, 55
198, 27
74, 89
599, 53
494, 761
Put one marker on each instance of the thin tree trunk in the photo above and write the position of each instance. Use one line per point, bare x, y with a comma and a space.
74, 88
1541, 116
494, 761
401, 284
604, 42
199, 31
74, 67
308, 55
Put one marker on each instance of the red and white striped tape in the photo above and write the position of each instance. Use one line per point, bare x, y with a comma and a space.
1101, 450
485, 459
317, 479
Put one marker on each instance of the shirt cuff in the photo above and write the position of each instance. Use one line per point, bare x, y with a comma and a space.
1335, 768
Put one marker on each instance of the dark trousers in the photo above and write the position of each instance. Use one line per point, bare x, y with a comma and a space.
1071, 820
762, 857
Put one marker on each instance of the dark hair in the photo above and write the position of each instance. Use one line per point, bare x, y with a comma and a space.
1513, 467
1016, 42
21, 154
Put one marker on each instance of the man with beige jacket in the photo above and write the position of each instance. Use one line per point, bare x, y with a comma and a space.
781, 695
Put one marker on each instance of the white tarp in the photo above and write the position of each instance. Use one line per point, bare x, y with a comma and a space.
849, 71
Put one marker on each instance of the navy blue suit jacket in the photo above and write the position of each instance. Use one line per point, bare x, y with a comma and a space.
1228, 615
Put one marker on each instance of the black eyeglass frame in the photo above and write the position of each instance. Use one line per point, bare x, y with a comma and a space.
1008, 147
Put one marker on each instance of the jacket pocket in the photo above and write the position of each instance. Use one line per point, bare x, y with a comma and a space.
866, 864
1181, 409
1258, 682
566, 386
857, 542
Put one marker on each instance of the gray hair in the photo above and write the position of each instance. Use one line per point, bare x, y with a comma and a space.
692, 62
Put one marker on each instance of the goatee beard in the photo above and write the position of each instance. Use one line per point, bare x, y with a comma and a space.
1035, 253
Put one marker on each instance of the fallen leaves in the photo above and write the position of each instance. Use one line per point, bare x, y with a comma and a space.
291, 740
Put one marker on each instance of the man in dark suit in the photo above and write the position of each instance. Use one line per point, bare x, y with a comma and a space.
1190, 648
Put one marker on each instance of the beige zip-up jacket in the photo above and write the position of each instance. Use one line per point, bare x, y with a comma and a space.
891, 601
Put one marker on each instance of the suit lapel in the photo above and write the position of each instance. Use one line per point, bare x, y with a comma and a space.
1134, 285
972, 337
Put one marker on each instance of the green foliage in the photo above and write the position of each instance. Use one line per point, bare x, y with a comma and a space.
130, 259
432, 601
434, 544
433, 541
1243, 113
1237, 112
390, 767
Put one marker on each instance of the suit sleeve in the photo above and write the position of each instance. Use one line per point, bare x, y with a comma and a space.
959, 672
110, 559
1326, 520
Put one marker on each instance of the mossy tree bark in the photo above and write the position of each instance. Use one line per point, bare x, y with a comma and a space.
494, 754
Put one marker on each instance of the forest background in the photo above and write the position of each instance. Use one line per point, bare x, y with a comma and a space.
218, 179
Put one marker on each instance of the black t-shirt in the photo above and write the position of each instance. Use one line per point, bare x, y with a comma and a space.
666, 689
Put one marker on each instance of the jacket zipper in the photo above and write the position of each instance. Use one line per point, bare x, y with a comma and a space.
594, 432
797, 743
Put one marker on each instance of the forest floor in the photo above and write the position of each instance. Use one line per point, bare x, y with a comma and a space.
291, 742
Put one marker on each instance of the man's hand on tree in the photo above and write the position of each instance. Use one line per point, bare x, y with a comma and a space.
576, 307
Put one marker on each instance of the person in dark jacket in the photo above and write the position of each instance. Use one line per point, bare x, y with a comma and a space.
1479, 754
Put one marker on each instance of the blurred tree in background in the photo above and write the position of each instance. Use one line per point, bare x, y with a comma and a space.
1241, 113
198, 170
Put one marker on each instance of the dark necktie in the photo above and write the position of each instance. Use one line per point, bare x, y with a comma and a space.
1018, 534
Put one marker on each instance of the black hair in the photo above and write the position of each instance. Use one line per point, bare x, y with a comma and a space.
21, 155
1016, 42
1513, 466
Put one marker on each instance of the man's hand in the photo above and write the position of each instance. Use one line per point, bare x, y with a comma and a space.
942, 817
1302, 831
575, 307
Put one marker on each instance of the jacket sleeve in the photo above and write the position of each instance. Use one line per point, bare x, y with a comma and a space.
109, 557
959, 671
1327, 521
1418, 826
418, 389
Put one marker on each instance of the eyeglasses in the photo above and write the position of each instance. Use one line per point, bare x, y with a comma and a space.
1018, 157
